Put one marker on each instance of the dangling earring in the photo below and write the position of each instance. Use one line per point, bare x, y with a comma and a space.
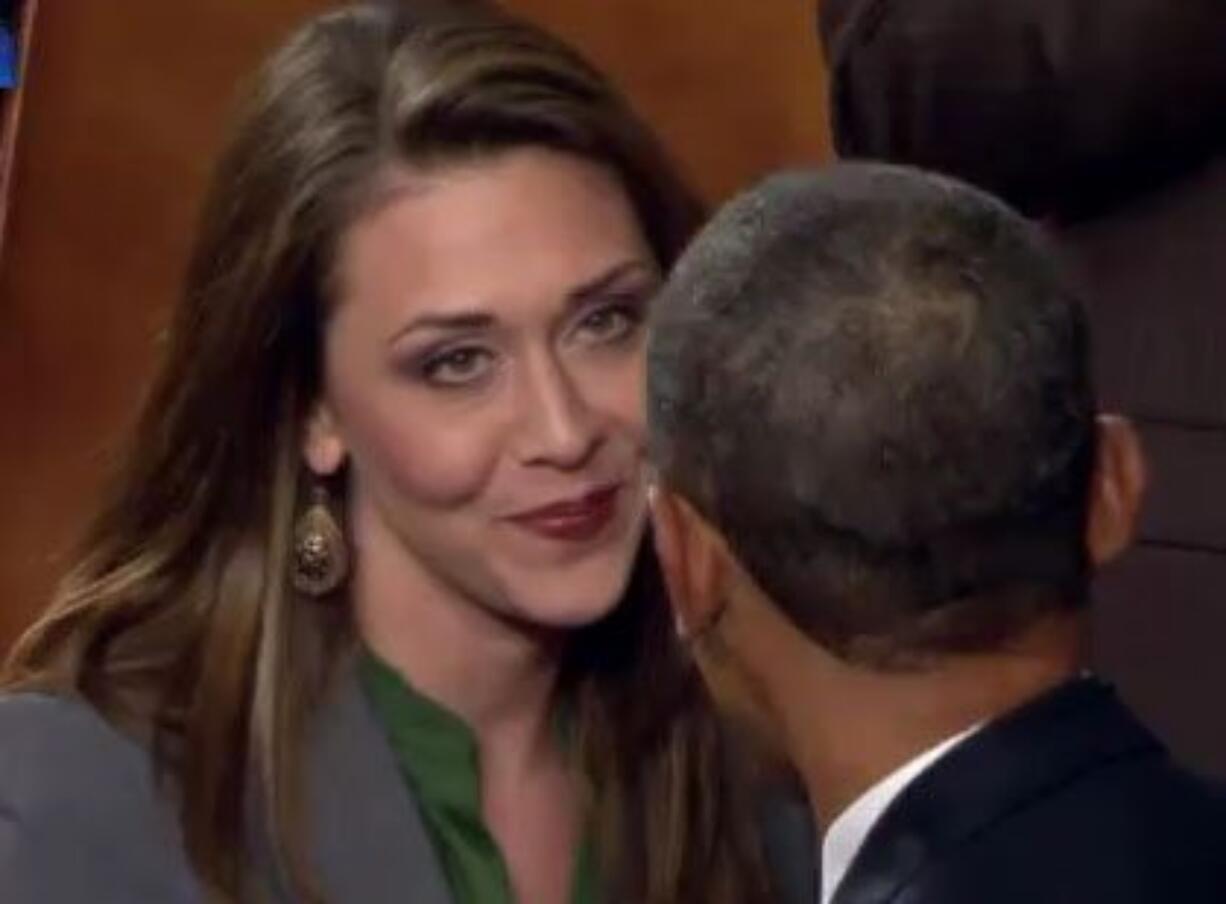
321, 559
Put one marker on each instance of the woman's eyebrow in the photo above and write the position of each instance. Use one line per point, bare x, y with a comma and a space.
605, 281
479, 320
458, 321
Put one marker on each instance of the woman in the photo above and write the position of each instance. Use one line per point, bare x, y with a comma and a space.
362, 618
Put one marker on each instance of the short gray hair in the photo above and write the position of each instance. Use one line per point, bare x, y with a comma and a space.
875, 382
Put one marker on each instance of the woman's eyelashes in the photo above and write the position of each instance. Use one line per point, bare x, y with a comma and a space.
468, 364
613, 321
458, 366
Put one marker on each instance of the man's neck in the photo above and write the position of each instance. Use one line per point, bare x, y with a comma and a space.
846, 727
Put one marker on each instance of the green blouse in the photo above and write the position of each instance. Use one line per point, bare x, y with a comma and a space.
439, 760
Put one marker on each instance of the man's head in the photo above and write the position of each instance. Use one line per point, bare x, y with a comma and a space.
869, 397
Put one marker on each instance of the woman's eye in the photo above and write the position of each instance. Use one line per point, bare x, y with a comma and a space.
458, 366
609, 324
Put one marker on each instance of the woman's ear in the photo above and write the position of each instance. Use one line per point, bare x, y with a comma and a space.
323, 450
1117, 489
689, 560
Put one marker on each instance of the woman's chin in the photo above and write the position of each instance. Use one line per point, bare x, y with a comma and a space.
571, 598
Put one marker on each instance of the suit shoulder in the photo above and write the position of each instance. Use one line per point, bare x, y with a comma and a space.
1149, 811
75, 790
1178, 807
1135, 831
53, 747
34, 717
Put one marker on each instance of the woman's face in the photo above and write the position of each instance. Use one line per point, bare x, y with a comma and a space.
483, 381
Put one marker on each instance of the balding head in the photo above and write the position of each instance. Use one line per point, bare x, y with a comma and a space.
874, 382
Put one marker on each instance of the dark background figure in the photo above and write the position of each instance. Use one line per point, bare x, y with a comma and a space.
1108, 122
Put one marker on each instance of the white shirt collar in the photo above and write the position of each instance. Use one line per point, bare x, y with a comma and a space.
846, 834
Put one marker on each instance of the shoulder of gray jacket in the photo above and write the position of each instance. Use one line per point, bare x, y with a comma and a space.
81, 817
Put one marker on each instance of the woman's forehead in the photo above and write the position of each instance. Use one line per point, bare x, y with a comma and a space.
524, 224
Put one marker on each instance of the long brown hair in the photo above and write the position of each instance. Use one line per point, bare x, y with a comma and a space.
179, 622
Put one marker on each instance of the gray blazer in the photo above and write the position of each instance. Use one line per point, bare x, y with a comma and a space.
82, 821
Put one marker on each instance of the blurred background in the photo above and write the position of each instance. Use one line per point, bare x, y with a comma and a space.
110, 136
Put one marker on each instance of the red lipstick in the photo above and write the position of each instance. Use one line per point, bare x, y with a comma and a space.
574, 520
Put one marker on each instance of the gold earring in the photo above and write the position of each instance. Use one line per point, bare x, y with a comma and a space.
321, 559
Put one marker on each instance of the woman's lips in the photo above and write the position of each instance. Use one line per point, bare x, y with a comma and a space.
574, 520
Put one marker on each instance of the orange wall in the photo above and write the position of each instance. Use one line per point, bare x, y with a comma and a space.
125, 104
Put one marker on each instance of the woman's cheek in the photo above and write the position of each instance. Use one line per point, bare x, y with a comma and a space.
616, 388
440, 465
428, 455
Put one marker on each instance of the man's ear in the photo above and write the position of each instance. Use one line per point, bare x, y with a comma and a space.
323, 449
1116, 490
691, 561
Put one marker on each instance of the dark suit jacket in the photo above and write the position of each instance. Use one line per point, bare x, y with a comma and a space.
82, 820
1068, 800
1107, 118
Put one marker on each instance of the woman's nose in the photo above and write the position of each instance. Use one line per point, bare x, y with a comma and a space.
558, 425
